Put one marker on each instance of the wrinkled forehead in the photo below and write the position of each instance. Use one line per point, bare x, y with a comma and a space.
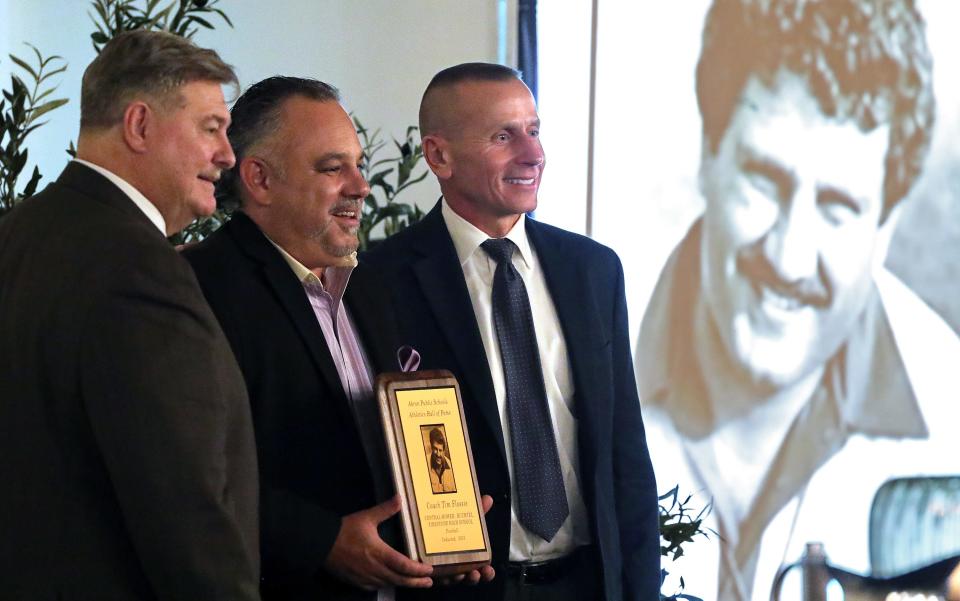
788, 92
783, 129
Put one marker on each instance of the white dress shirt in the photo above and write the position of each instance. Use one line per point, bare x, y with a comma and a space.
147, 207
478, 269
885, 408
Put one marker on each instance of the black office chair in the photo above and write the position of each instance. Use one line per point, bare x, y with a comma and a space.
914, 543
914, 522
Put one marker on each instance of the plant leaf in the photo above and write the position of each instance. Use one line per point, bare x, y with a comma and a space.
50, 74
31, 186
201, 21
225, 17
413, 181
47, 107
378, 178
23, 65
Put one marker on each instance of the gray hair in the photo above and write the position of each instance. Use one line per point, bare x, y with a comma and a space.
144, 63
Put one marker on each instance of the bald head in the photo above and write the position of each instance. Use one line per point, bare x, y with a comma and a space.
442, 101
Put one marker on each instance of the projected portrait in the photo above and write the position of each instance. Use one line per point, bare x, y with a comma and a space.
439, 467
784, 370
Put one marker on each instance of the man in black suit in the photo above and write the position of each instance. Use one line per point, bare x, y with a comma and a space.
308, 344
596, 537
126, 445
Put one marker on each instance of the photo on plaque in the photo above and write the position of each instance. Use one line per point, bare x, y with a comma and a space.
432, 463
439, 466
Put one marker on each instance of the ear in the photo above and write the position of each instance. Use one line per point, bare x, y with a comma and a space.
436, 151
257, 179
138, 118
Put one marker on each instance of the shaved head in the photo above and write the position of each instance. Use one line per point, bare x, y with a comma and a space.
443, 99
480, 135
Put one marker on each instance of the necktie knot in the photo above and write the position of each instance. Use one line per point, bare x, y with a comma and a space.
499, 249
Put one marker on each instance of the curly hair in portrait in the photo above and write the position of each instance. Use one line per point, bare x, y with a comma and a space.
864, 60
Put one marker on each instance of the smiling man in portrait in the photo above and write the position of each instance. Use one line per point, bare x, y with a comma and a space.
781, 366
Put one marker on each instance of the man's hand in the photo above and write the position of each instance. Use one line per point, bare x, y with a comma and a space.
484, 573
360, 556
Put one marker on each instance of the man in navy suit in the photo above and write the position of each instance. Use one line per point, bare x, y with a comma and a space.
481, 139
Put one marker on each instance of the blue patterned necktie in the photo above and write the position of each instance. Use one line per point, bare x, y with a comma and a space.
541, 497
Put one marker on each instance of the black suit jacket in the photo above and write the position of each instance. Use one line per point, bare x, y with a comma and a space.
127, 458
585, 280
312, 466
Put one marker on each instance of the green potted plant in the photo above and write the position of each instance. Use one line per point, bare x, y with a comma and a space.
679, 526
182, 17
21, 107
388, 177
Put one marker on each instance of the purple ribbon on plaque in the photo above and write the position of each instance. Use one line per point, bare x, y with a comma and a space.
408, 358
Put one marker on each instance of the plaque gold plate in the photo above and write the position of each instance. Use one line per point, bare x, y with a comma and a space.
433, 470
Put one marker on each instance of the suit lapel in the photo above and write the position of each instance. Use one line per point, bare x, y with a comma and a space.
569, 283
93, 185
373, 319
291, 296
440, 277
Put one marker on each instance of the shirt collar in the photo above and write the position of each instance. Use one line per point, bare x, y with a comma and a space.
336, 276
467, 238
145, 206
866, 379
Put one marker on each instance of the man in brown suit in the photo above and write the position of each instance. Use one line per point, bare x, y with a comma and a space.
127, 459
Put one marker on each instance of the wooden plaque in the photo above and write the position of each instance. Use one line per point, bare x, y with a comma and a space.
433, 470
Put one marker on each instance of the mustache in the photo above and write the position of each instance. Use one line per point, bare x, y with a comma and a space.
347, 204
816, 291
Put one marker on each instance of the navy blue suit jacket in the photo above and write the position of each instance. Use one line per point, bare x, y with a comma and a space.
585, 279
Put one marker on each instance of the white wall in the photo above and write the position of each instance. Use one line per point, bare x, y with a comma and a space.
379, 53
564, 104
4, 33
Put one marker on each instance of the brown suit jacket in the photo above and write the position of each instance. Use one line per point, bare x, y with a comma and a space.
127, 460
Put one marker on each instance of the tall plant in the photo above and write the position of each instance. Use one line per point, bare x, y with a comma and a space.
679, 525
380, 205
182, 17
23, 104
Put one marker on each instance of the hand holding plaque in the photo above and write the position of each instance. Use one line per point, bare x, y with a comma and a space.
432, 464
